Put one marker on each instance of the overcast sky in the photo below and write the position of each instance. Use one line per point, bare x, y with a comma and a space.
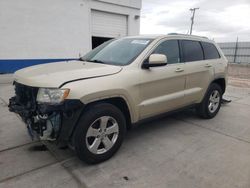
221, 20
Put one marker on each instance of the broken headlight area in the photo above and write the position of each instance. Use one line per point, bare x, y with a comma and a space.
44, 121
51, 95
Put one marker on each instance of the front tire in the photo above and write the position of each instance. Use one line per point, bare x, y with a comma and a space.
99, 133
211, 103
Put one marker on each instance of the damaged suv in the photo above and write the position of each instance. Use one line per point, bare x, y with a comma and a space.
90, 103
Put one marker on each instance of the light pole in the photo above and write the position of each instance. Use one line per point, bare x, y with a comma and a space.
192, 18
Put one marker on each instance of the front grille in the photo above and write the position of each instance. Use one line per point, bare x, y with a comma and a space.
25, 95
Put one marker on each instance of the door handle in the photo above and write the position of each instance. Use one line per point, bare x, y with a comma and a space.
179, 70
208, 65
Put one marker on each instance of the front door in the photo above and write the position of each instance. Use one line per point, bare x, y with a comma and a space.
162, 88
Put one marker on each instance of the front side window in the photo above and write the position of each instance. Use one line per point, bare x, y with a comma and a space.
210, 51
170, 48
191, 50
118, 52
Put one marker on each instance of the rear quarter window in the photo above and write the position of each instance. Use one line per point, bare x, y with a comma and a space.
210, 51
191, 50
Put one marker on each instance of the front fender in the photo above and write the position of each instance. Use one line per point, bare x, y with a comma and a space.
109, 94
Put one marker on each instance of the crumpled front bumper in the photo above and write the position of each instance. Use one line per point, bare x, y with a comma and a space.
45, 121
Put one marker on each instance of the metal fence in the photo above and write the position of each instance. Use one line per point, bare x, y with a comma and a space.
236, 52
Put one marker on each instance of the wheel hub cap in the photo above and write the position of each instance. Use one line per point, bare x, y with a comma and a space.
102, 134
214, 101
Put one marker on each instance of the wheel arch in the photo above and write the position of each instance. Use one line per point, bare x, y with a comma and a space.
221, 82
118, 102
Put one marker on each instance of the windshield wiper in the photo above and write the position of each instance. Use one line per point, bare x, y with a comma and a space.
81, 59
97, 61
93, 61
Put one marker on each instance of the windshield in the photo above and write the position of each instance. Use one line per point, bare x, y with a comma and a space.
117, 51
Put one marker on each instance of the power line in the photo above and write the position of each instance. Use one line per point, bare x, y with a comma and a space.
192, 18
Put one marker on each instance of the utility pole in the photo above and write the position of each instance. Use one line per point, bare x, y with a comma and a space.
192, 18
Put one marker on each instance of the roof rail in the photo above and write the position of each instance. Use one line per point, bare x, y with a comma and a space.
187, 35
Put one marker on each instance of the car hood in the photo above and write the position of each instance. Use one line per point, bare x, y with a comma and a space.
57, 74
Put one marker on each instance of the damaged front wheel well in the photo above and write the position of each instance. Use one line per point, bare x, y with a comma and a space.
119, 103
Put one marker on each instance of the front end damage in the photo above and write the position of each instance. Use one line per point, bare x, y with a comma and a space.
54, 122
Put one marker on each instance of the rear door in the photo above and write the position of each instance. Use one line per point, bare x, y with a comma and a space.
199, 71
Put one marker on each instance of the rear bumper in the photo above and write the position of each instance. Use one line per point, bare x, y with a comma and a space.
49, 122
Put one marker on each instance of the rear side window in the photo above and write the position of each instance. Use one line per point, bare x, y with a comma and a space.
191, 50
170, 48
210, 51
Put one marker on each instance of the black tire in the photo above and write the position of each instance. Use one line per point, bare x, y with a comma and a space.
203, 108
92, 114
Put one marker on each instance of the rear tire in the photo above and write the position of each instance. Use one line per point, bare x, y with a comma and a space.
211, 103
99, 133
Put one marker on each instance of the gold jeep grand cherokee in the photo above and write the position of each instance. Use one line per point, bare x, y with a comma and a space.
90, 103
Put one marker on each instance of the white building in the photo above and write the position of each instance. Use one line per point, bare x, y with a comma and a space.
39, 31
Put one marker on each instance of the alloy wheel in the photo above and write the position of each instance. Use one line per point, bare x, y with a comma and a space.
102, 135
214, 101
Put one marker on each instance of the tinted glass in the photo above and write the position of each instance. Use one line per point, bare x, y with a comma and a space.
169, 48
191, 50
118, 52
210, 51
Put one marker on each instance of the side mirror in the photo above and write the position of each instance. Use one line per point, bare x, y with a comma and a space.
155, 60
